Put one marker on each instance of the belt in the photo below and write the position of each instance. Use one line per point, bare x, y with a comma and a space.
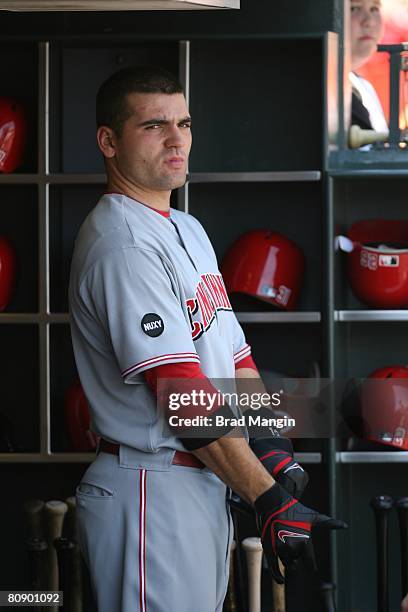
180, 457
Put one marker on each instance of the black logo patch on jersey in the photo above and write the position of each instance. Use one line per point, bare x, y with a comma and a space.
152, 324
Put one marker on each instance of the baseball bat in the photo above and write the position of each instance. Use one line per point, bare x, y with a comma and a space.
230, 604
240, 581
76, 583
33, 510
70, 526
278, 592
402, 509
381, 506
327, 590
66, 550
37, 550
37, 556
54, 512
253, 551
359, 137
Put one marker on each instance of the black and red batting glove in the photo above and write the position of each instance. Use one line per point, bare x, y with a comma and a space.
276, 455
285, 526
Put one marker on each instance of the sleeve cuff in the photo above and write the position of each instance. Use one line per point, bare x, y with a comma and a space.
241, 354
141, 366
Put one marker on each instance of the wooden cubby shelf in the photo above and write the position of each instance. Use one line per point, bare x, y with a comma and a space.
371, 315
372, 457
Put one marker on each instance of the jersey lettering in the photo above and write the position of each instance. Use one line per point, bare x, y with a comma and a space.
196, 326
211, 296
216, 288
205, 304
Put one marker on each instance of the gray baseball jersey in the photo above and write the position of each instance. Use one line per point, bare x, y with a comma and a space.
145, 290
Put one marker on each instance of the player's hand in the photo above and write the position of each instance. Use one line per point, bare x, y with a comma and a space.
285, 526
276, 455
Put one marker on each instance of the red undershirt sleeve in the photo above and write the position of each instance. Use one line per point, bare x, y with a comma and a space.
192, 380
246, 362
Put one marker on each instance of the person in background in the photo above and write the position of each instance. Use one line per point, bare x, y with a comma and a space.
366, 31
404, 604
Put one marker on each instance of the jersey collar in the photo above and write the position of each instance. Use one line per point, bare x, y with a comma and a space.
163, 213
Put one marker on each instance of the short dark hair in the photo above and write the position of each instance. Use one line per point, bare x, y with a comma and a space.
111, 107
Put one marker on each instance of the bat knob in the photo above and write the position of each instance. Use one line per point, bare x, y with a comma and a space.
327, 590
36, 544
252, 544
327, 586
402, 503
62, 544
57, 507
382, 503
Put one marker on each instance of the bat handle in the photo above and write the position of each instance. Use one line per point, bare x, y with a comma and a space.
64, 548
70, 525
278, 592
230, 604
402, 509
37, 552
381, 506
239, 564
54, 512
37, 549
253, 550
327, 591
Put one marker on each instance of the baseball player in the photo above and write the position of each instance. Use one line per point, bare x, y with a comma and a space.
147, 303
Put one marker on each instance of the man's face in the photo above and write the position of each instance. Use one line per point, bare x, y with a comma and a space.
366, 30
153, 149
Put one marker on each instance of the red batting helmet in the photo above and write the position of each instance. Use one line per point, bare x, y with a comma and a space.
77, 419
13, 128
384, 406
7, 271
266, 265
378, 263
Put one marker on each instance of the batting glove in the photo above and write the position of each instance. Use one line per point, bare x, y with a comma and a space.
276, 455
285, 526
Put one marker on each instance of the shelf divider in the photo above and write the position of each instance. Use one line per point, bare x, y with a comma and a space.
43, 245
64, 457
19, 179
279, 317
7, 318
255, 177
76, 179
46, 457
370, 315
372, 457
